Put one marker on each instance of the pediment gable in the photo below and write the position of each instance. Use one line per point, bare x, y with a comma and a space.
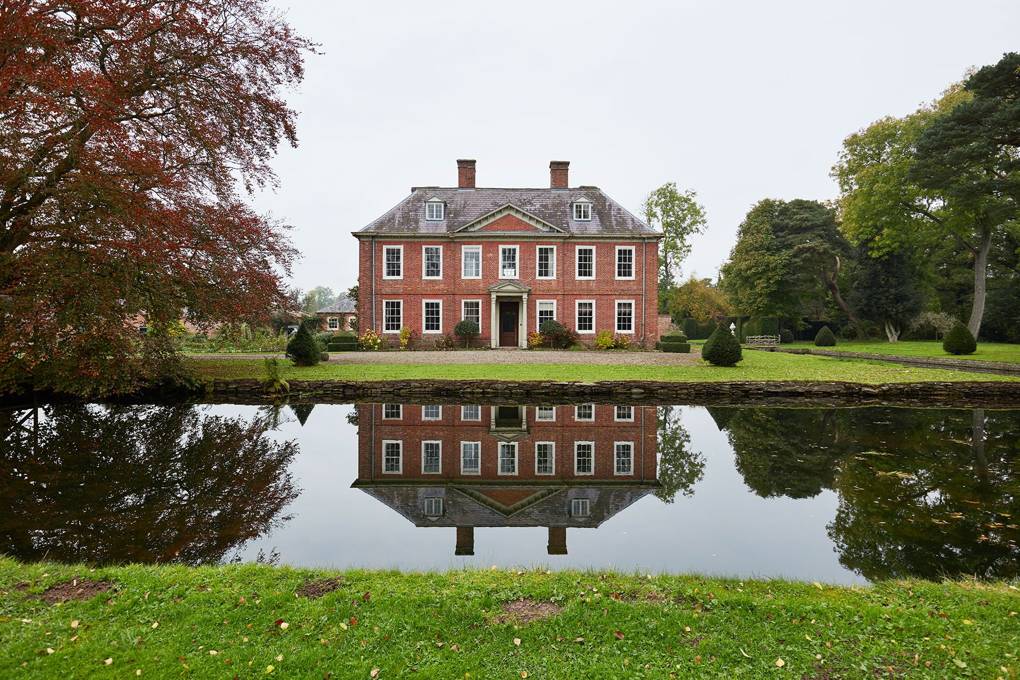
510, 219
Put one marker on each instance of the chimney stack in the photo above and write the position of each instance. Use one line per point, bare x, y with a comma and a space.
465, 173
558, 174
557, 541
465, 538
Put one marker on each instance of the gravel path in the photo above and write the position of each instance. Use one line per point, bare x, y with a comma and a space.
503, 356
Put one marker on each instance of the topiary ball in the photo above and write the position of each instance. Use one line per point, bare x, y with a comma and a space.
825, 338
721, 348
786, 336
959, 340
302, 349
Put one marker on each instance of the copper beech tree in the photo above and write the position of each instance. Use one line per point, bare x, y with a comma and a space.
131, 132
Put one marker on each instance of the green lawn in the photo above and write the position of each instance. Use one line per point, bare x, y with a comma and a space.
986, 351
248, 622
756, 366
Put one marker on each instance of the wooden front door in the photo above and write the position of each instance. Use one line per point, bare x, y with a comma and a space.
508, 324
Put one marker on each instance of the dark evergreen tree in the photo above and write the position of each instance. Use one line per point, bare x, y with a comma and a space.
302, 349
959, 341
887, 292
721, 348
825, 337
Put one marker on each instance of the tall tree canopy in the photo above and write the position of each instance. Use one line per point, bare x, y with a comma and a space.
700, 300
887, 291
679, 216
787, 260
126, 129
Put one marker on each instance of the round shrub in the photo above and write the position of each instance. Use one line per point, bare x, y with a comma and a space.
825, 338
786, 336
303, 349
721, 348
555, 334
959, 340
605, 339
466, 330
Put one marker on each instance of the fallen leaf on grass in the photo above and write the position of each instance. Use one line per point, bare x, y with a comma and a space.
618, 634
74, 624
374, 673
959, 663
780, 663
746, 655
108, 661
155, 624
517, 642
49, 650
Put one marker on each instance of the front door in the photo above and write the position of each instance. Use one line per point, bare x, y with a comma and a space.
508, 324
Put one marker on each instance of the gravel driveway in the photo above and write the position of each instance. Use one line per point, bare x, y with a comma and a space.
500, 356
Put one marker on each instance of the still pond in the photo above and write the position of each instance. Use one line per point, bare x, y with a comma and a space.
840, 495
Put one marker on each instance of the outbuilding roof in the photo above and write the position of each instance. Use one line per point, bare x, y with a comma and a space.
343, 305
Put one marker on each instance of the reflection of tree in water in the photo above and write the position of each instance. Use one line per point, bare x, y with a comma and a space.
679, 467
923, 492
106, 484
784, 452
947, 504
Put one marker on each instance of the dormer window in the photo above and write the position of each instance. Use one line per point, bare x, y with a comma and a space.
434, 210
582, 211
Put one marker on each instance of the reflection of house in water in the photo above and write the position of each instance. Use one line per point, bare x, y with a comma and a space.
507, 466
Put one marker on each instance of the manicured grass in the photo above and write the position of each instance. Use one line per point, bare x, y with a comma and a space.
986, 351
756, 366
247, 621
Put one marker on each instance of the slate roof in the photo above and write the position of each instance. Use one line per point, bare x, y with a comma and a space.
464, 206
343, 305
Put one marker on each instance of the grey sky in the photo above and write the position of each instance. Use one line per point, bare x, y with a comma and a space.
738, 101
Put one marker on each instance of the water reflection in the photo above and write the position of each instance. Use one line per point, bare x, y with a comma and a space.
107, 484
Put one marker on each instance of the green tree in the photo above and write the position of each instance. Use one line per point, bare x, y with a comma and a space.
887, 292
679, 216
700, 300
317, 298
679, 467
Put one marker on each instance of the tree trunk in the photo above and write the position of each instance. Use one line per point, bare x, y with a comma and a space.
977, 311
891, 331
833, 287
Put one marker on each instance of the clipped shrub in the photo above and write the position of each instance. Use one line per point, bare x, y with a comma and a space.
604, 340
675, 342
555, 334
825, 337
959, 340
343, 342
786, 336
370, 340
467, 330
303, 349
535, 340
722, 348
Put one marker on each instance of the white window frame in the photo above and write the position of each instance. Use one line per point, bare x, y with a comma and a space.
540, 419
471, 420
517, 261
438, 417
400, 456
552, 459
400, 412
552, 263
592, 471
616, 414
499, 459
576, 503
577, 262
401, 324
463, 317
399, 249
434, 500
432, 441
424, 263
579, 215
538, 305
432, 204
465, 249
577, 315
616, 316
464, 471
633, 263
616, 464
425, 331
333, 323
584, 420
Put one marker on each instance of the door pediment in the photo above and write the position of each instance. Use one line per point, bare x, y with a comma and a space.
509, 288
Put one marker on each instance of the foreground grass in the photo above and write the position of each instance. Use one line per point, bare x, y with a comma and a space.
247, 621
986, 351
756, 366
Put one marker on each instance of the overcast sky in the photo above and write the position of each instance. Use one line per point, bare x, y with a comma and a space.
737, 100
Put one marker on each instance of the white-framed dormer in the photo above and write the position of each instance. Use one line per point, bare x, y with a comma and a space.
432, 262
584, 263
625, 263
581, 210
545, 262
435, 210
393, 262
509, 264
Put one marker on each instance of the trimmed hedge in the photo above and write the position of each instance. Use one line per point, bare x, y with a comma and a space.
825, 337
959, 341
675, 342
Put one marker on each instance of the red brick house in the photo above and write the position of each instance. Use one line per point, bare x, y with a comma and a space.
467, 466
509, 259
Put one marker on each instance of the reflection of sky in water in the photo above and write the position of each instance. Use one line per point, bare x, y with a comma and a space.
723, 529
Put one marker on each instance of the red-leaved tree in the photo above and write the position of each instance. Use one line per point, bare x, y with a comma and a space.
127, 131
